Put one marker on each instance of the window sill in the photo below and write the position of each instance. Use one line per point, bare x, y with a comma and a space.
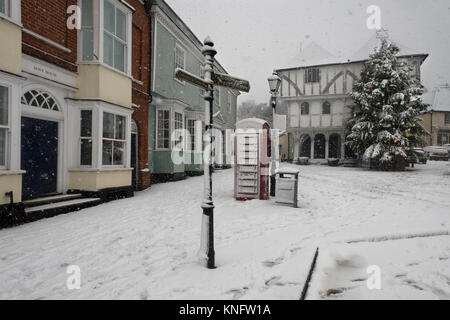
100, 169
6, 172
12, 20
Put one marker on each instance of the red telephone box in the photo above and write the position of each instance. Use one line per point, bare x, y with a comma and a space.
252, 148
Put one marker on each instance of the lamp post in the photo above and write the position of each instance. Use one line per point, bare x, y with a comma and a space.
274, 85
208, 83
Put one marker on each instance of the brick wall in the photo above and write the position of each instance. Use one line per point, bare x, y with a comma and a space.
141, 86
48, 18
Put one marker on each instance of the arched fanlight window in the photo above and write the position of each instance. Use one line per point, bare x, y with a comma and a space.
40, 99
326, 108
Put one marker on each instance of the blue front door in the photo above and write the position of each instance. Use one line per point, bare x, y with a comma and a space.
39, 157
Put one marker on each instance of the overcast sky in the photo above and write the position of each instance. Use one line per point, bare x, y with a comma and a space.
253, 37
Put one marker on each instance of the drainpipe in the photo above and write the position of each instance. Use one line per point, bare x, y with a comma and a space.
148, 5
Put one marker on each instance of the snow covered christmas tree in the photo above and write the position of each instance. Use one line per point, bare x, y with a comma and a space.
385, 122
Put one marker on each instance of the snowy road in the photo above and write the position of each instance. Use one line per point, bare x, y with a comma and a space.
145, 247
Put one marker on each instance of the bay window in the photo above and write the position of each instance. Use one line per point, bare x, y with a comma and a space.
114, 139
4, 7
4, 124
163, 129
179, 59
87, 30
178, 127
86, 138
191, 130
109, 40
115, 36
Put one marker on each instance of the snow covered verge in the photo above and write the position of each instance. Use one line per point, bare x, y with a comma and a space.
145, 247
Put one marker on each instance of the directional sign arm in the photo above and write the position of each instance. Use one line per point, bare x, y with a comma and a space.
183, 75
225, 80
219, 79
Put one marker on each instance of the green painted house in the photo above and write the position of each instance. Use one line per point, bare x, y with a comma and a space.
178, 105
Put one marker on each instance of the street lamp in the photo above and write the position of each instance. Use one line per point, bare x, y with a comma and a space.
274, 85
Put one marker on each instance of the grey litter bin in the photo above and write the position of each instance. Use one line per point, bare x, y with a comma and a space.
287, 187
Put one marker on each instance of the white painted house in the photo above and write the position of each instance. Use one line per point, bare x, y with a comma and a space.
319, 102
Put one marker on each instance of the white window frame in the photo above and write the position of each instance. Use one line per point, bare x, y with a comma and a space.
174, 143
7, 127
85, 138
157, 127
6, 12
99, 31
125, 141
87, 28
180, 48
192, 133
115, 37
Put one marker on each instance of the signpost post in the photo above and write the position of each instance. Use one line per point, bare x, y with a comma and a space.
210, 80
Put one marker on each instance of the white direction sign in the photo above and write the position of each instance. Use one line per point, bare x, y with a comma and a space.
219, 79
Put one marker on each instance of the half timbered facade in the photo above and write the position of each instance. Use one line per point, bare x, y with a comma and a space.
319, 105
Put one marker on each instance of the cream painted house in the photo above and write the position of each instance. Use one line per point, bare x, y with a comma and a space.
61, 131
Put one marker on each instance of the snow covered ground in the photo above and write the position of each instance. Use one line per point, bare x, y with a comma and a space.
145, 247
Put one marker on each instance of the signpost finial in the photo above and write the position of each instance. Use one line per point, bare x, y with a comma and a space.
208, 41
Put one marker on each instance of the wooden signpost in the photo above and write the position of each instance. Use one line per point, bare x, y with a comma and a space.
208, 83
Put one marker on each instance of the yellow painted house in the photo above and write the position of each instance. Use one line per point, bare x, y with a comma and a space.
65, 108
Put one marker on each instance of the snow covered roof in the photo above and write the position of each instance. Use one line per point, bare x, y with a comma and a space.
374, 42
312, 54
441, 100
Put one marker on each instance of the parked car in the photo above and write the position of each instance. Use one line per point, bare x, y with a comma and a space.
416, 155
437, 153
